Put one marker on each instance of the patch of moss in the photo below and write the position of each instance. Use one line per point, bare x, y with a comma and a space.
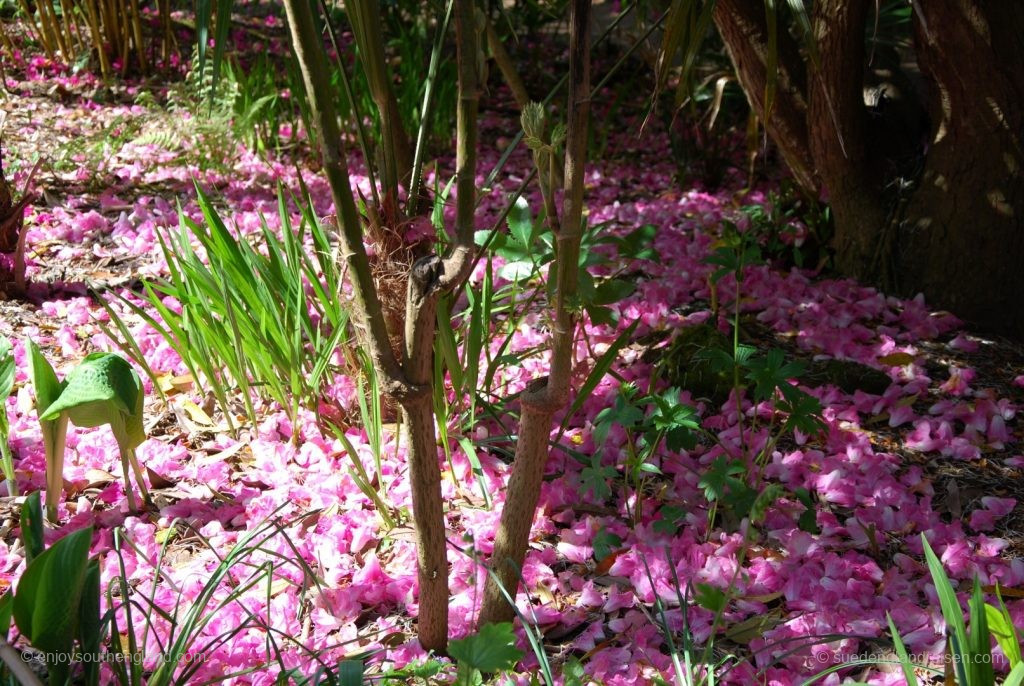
686, 366
847, 375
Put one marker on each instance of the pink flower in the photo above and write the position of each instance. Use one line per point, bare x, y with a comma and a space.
993, 509
962, 342
959, 381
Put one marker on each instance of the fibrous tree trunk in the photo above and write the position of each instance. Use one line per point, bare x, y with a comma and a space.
743, 27
950, 224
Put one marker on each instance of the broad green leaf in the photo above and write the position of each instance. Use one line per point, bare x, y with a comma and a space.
595, 477
481, 236
718, 476
44, 379
47, 600
520, 222
979, 640
612, 291
478, 471
517, 271
7, 368
1016, 676
602, 316
491, 649
573, 672
671, 517
350, 673
771, 372
764, 500
741, 498
32, 527
951, 611
804, 412
1002, 627
6, 607
54, 431
809, 519
605, 543
90, 624
637, 244
710, 597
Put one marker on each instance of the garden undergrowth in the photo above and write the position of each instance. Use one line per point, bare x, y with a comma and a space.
766, 535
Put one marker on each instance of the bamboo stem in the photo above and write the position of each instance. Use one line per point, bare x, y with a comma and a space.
48, 20
365, 21
43, 39
124, 33
165, 20
65, 11
137, 29
7, 41
110, 26
92, 19
81, 40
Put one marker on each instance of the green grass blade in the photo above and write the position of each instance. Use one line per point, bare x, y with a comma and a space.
601, 368
901, 651
948, 601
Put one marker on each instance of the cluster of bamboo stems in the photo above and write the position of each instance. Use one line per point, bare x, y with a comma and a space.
115, 29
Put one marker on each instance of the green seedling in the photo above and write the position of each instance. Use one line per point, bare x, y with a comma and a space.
54, 431
6, 385
103, 389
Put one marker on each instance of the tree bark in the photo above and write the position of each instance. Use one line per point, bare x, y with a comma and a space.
836, 123
952, 228
421, 448
742, 26
430, 278
960, 237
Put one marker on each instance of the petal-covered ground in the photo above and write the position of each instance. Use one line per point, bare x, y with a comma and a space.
936, 453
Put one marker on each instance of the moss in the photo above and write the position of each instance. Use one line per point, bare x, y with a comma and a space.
686, 366
847, 375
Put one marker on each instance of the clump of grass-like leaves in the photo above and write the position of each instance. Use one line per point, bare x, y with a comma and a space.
254, 321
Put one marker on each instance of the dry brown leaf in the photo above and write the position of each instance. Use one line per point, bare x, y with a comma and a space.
898, 359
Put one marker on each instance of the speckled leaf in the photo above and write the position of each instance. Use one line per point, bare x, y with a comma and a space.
103, 389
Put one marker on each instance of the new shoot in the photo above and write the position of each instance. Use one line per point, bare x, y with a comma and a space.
6, 385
